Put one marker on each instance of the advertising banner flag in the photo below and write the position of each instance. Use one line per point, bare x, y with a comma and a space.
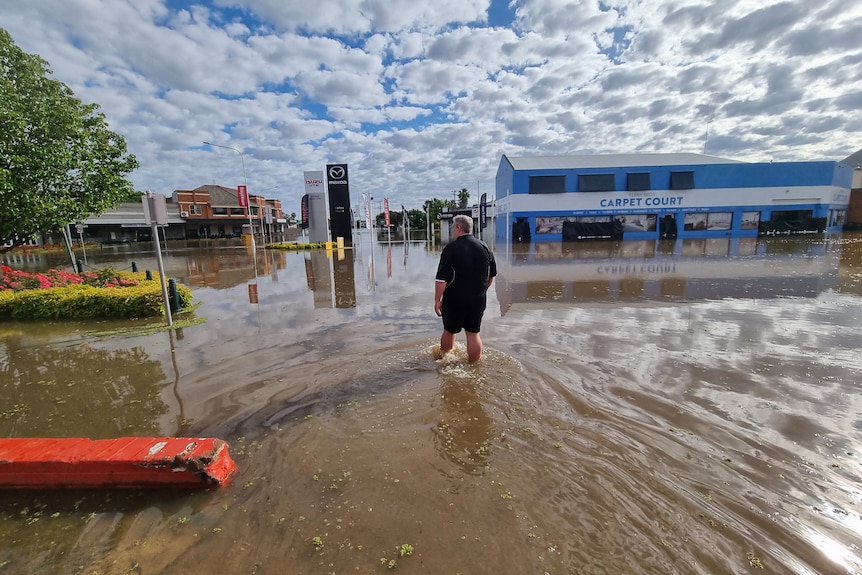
366, 200
404, 217
303, 211
242, 195
483, 212
386, 211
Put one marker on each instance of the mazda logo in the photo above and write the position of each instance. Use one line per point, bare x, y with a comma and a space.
336, 172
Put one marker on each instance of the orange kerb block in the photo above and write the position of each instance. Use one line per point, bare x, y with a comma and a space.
127, 462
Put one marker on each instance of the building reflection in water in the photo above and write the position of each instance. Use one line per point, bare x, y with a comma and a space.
666, 270
331, 278
225, 270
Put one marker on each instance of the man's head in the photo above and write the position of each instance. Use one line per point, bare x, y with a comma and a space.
464, 224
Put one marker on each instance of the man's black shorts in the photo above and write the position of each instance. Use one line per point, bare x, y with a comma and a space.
459, 316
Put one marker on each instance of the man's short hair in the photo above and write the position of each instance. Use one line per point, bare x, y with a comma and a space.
463, 222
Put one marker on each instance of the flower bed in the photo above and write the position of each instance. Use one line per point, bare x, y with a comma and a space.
19, 280
105, 293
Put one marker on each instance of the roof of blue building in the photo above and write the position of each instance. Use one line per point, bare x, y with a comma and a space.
612, 161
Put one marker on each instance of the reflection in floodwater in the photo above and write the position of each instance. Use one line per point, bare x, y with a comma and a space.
464, 432
78, 391
330, 275
667, 270
641, 407
195, 267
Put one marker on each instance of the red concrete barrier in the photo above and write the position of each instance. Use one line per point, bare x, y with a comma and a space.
45, 463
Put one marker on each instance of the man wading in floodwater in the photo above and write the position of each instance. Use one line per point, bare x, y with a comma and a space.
467, 269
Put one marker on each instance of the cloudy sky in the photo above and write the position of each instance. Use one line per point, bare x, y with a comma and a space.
423, 98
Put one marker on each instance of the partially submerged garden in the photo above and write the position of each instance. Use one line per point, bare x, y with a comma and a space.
103, 293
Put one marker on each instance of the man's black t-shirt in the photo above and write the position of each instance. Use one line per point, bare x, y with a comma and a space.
465, 266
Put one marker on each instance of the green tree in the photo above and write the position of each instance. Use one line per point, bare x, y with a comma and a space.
59, 162
416, 219
463, 198
435, 206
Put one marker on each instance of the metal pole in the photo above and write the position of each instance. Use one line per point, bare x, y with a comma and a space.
155, 233
67, 237
248, 195
706, 137
81, 236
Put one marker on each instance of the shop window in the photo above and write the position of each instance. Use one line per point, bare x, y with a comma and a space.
547, 184
682, 180
719, 220
837, 217
791, 215
638, 181
638, 222
595, 219
708, 221
750, 220
596, 183
219, 211
551, 224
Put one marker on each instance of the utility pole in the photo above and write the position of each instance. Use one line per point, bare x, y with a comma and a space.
248, 196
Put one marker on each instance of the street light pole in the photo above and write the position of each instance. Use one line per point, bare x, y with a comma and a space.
706, 136
245, 182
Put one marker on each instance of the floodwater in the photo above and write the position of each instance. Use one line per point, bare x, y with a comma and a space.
641, 408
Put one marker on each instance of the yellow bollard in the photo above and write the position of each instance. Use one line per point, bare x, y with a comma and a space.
340, 243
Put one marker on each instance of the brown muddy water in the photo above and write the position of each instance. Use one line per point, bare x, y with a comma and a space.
641, 408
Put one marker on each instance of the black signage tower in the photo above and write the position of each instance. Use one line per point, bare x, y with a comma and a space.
339, 203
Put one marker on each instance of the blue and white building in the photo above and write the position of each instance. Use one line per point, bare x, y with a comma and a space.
651, 196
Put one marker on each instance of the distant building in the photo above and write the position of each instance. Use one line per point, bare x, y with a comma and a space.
854, 211
644, 196
215, 212
206, 212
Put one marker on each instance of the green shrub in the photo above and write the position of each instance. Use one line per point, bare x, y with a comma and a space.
85, 301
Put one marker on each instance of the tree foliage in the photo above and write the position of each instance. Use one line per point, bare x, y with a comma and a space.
463, 198
416, 220
435, 206
59, 162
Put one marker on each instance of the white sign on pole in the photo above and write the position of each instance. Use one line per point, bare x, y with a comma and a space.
158, 215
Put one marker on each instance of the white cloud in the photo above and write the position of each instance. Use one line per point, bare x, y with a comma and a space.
423, 98
348, 17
